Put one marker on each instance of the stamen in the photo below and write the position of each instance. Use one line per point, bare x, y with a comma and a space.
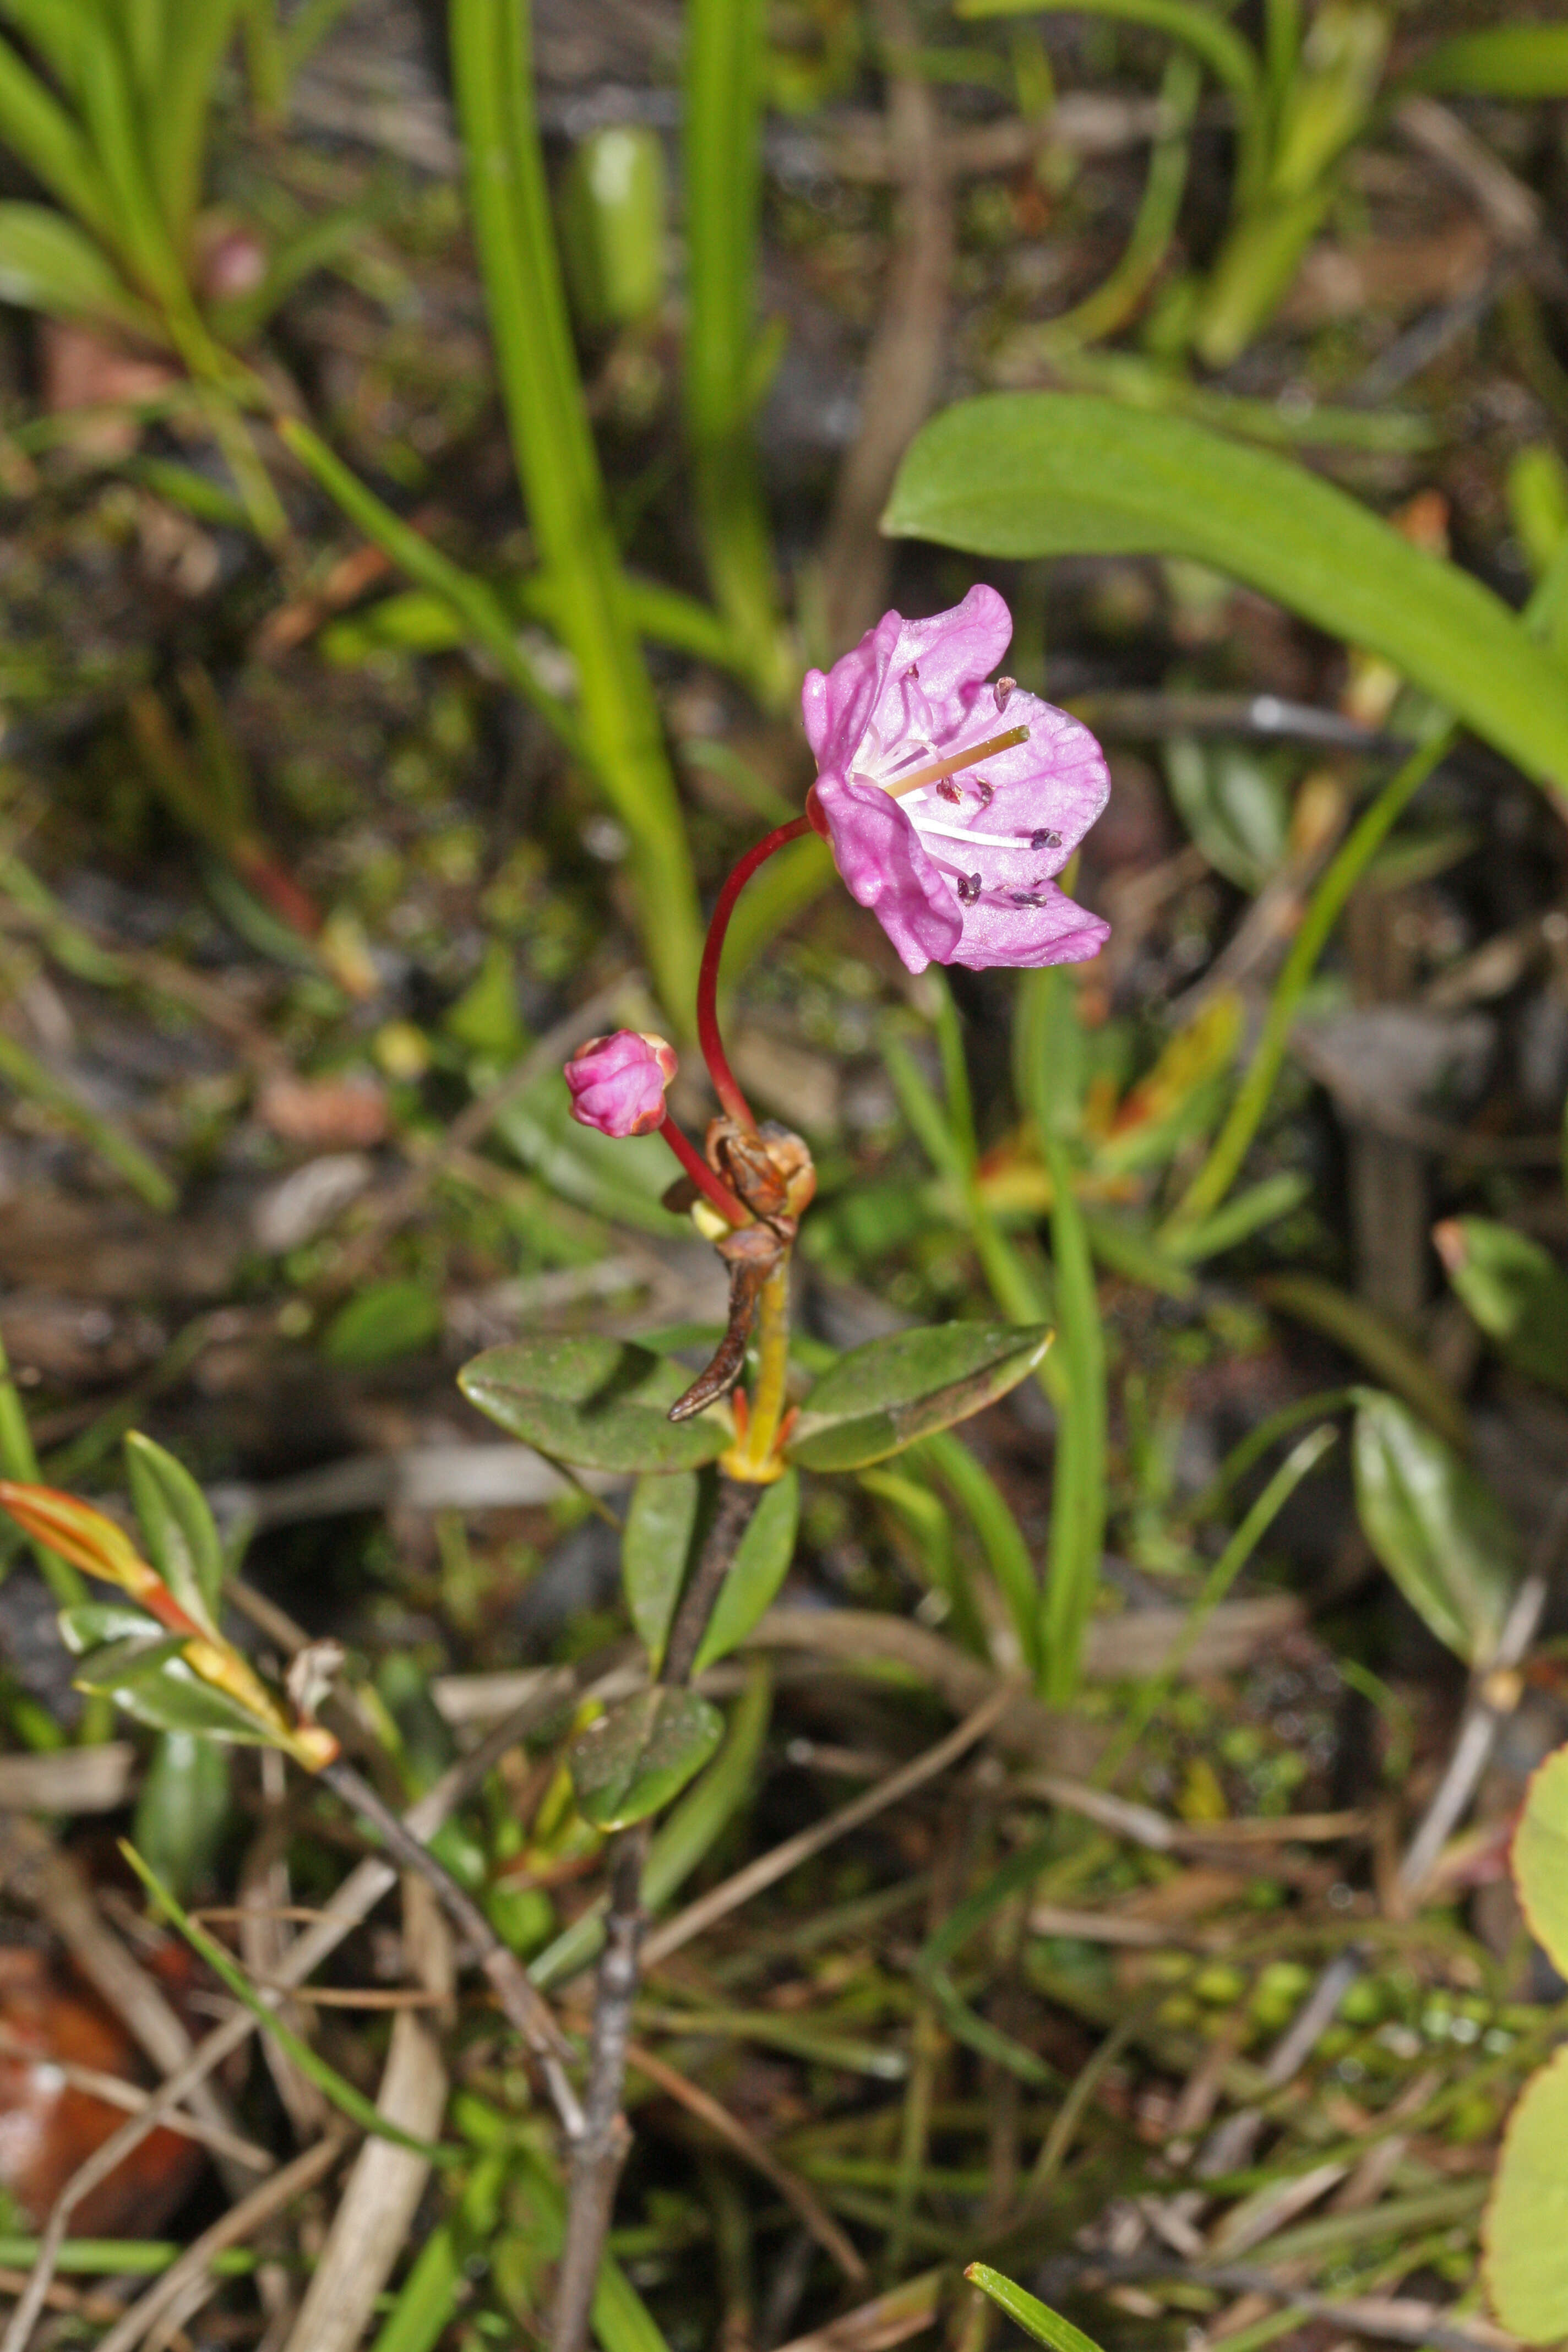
1001, 690
961, 832
968, 887
1043, 840
957, 759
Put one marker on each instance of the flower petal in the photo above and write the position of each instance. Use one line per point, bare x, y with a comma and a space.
1053, 930
837, 707
879, 854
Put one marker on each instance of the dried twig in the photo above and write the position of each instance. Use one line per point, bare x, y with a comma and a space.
192, 2271
801, 2199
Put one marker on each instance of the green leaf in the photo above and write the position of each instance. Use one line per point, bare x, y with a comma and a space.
153, 1683
177, 1527
1516, 1291
1499, 61
182, 1808
1539, 1859
389, 1319
1443, 1537
881, 1397
655, 1552
1525, 2228
49, 142
595, 1403
613, 226
48, 264
758, 1568
1233, 801
1035, 2319
642, 1753
1036, 474
91, 1623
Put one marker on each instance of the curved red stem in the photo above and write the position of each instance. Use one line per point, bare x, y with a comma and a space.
711, 1187
725, 1085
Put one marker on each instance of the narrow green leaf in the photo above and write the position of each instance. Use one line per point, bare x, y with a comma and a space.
1001, 1538
1516, 1291
182, 1808
1037, 473
642, 1753
1499, 61
51, 143
343, 2095
177, 1527
655, 1552
1540, 1858
883, 1396
758, 1568
1375, 1344
1524, 2232
1035, 2319
595, 1402
1443, 1537
48, 264
613, 226
89, 1624
178, 104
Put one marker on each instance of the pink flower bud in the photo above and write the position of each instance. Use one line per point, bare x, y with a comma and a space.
617, 1083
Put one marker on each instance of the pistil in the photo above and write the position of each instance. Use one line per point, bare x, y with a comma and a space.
956, 760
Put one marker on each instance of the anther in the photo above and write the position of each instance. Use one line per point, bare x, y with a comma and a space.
1001, 688
1045, 840
1026, 898
948, 790
968, 887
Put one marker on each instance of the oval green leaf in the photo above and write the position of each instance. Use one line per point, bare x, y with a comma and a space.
1046, 473
758, 1568
1540, 1859
595, 1403
655, 1552
642, 1753
883, 1396
1515, 1290
388, 1320
177, 1527
1443, 1537
1524, 2232
153, 1683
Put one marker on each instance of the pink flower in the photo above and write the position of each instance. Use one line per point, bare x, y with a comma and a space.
617, 1083
950, 804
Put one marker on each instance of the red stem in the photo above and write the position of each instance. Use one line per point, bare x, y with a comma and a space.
724, 1081
711, 1187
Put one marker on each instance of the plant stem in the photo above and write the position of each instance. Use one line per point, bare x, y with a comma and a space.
599, 2148
522, 2005
725, 1084
754, 1457
711, 1187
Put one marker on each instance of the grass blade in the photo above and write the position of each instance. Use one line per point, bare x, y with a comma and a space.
559, 469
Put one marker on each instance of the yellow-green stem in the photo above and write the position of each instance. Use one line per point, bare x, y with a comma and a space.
754, 1458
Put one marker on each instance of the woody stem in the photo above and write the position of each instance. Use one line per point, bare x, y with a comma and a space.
711, 1187
725, 1085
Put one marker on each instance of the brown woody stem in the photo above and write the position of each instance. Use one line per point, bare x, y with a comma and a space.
600, 2149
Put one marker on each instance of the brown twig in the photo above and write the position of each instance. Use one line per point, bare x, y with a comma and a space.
523, 2006
353, 1901
801, 2199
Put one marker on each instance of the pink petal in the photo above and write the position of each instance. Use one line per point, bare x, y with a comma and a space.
879, 854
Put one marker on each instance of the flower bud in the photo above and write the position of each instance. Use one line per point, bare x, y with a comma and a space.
617, 1083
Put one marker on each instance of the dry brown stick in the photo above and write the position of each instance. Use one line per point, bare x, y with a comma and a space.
191, 2268
768, 1868
523, 2005
386, 2183
354, 1900
600, 2147
801, 2199
904, 362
